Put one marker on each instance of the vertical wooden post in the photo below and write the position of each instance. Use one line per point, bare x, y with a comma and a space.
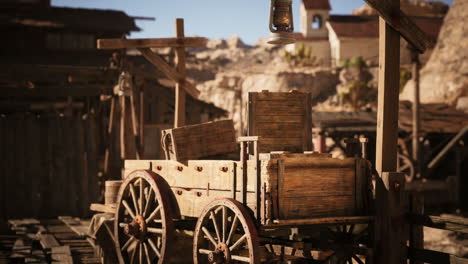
387, 113
389, 224
416, 106
179, 116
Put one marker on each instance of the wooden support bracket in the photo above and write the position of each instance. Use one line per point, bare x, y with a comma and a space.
403, 24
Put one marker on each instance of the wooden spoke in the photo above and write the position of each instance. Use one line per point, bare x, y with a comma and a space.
238, 242
134, 199
132, 259
351, 229
358, 260
128, 243
153, 214
240, 258
210, 237
235, 222
149, 201
141, 198
213, 218
154, 230
224, 219
123, 225
129, 210
204, 251
148, 260
153, 246
140, 253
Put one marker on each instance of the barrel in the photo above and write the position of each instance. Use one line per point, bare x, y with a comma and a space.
111, 191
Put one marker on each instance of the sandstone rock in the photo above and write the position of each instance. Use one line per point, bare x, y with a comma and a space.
234, 42
445, 77
411, 8
216, 44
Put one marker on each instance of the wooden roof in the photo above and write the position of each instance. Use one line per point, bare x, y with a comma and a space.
351, 26
435, 118
317, 4
90, 20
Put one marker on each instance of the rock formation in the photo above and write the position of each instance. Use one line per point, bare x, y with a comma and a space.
445, 77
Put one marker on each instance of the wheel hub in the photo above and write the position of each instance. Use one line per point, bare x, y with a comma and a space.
136, 228
220, 255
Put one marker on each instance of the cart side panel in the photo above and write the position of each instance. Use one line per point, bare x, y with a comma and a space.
313, 187
199, 182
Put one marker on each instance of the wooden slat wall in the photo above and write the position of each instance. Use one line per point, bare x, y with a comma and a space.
282, 120
48, 165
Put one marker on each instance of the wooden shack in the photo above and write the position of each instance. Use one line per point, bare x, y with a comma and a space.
53, 118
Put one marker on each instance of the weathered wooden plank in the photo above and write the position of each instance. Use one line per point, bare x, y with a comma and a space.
48, 241
21, 248
75, 225
180, 98
151, 43
430, 256
316, 206
104, 208
56, 91
440, 222
170, 72
201, 140
323, 221
61, 255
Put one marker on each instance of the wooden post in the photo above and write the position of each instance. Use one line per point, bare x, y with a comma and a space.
389, 237
387, 112
416, 108
179, 115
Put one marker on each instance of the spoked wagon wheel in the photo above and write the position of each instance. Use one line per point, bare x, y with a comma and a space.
143, 220
225, 233
349, 239
405, 165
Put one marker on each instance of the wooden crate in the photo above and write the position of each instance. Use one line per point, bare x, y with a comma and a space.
199, 141
282, 120
311, 186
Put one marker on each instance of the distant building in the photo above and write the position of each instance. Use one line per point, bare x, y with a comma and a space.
334, 38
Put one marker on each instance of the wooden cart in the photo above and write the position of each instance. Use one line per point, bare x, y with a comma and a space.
271, 207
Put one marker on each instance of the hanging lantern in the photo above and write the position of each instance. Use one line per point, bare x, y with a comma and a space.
281, 22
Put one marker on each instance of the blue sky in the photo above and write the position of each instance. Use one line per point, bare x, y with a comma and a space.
208, 18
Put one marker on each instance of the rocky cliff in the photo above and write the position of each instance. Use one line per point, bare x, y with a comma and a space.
445, 77
228, 69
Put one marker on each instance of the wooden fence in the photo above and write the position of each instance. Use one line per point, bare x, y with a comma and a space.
48, 165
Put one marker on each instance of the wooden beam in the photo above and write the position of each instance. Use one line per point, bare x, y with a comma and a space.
430, 256
151, 43
388, 105
403, 24
161, 64
179, 117
56, 91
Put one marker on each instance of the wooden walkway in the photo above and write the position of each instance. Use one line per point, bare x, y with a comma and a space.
62, 240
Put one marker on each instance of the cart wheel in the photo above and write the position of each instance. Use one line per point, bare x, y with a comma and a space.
349, 239
225, 233
406, 166
143, 220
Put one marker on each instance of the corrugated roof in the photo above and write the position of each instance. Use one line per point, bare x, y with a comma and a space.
317, 4
351, 26
93, 20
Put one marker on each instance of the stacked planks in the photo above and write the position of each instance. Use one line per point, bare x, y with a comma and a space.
51, 241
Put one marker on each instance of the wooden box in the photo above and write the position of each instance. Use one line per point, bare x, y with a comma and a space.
313, 186
199, 141
282, 120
